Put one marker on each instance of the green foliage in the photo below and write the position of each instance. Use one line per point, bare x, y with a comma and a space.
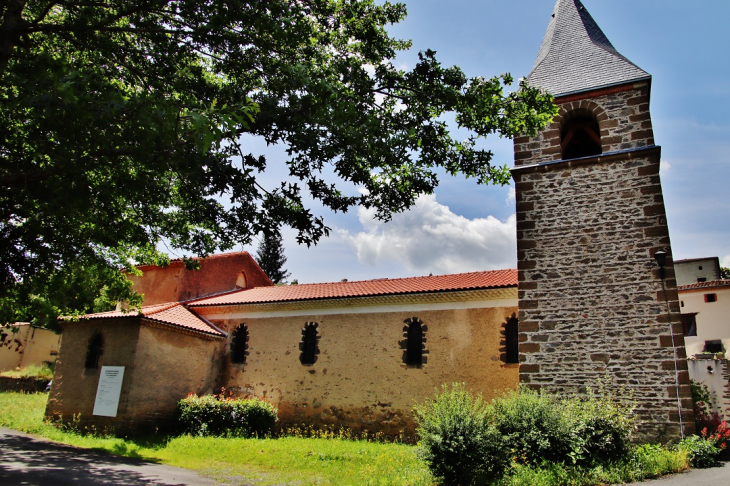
701, 452
219, 415
464, 439
270, 257
601, 425
704, 402
533, 426
124, 126
705, 408
458, 439
576, 430
78, 288
724, 273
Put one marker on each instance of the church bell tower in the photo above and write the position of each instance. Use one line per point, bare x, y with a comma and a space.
594, 304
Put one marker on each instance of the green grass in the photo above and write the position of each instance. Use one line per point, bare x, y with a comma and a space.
43, 372
319, 461
286, 460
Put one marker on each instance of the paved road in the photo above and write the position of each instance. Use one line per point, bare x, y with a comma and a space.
30, 461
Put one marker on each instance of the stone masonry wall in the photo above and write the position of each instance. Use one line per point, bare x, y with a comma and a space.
623, 118
590, 299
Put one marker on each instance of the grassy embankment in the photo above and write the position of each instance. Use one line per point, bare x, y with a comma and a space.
321, 461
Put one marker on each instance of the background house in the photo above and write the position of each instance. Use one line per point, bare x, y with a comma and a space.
705, 306
22, 344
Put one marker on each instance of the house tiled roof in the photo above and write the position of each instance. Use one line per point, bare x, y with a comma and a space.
365, 288
704, 285
174, 313
575, 55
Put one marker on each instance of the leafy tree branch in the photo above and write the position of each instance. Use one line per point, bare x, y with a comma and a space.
120, 126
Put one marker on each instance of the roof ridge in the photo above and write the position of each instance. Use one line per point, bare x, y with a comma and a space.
467, 281
406, 278
219, 294
213, 330
162, 308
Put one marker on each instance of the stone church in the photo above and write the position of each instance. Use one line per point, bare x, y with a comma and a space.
593, 298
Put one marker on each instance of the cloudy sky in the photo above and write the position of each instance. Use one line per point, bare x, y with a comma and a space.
464, 227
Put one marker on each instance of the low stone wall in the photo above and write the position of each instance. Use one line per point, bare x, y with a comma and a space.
27, 385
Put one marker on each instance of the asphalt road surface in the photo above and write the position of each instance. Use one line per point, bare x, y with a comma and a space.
30, 461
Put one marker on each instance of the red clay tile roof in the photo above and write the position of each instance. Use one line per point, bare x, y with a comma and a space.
365, 288
704, 285
173, 313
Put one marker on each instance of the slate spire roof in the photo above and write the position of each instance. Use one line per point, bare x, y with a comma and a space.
576, 55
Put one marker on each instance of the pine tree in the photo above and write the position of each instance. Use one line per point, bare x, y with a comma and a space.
271, 259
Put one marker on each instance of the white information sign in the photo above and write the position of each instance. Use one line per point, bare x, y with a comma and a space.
107, 394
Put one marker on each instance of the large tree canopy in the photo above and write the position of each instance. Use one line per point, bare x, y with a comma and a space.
121, 124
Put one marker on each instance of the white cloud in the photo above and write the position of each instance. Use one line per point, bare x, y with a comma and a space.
664, 166
431, 239
726, 261
511, 196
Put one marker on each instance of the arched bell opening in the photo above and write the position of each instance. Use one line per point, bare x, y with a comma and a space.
580, 135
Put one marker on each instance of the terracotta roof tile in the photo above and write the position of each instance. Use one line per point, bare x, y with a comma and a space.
173, 313
365, 288
704, 285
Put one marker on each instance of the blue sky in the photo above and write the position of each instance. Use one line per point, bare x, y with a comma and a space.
466, 227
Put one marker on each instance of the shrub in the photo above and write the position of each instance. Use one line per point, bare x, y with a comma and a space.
540, 426
458, 441
601, 426
220, 415
532, 426
705, 407
463, 437
701, 452
721, 436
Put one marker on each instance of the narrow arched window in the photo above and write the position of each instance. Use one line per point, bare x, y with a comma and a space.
512, 341
309, 346
239, 345
414, 353
93, 353
580, 135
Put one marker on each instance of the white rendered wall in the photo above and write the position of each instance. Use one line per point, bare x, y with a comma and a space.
714, 374
713, 318
688, 271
